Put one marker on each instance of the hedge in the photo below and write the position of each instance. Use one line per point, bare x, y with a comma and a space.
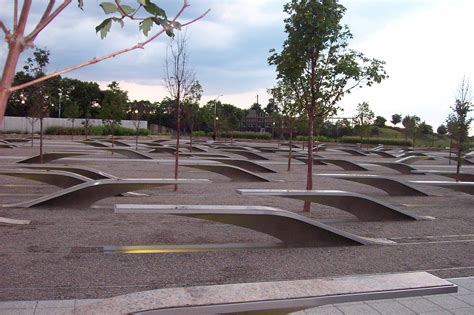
246, 135
386, 141
96, 131
315, 138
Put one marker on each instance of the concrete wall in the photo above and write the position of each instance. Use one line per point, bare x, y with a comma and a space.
23, 125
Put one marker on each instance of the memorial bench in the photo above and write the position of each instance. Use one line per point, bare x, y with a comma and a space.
276, 297
290, 228
51, 156
245, 153
465, 187
85, 194
414, 158
391, 186
363, 207
353, 152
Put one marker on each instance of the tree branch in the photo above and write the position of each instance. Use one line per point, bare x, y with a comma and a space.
111, 55
15, 14
4, 29
48, 10
45, 20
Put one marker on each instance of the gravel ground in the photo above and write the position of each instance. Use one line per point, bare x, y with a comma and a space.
55, 257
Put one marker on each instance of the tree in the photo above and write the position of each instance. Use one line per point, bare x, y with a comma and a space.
442, 130
396, 119
282, 94
364, 118
71, 111
425, 129
190, 107
316, 62
137, 111
179, 78
411, 123
18, 41
113, 107
380, 121
35, 67
458, 121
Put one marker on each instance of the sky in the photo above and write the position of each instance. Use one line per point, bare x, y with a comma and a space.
427, 45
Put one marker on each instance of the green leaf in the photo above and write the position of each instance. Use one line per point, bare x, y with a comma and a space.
176, 25
145, 25
80, 4
152, 8
109, 7
104, 27
117, 20
127, 9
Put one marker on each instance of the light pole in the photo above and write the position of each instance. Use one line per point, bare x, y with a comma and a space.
215, 117
60, 93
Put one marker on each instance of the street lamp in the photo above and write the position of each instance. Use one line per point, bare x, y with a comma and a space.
215, 116
60, 93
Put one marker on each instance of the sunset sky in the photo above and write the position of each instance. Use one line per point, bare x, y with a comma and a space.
427, 44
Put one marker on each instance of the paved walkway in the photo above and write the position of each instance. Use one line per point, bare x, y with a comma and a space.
458, 303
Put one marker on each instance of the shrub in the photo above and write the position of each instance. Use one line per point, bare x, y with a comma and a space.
315, 138
386, 141
246, 135
199, 133
96, 131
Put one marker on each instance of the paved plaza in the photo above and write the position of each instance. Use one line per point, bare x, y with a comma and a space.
63, 259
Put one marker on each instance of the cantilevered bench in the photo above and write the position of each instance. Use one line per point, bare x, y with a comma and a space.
384, 154
56, 178
132, 154
51, 156
345, 165
117, 142
163, 149
399, 167
244, 164
236, 174
363, 207
278, 297
391, 186
465, 187
291, 228
203, 155
304, 159
353, 152
464, 177
83, 195
463, 159
20, 140
6, 145
414, 158
245, 153
84, 171
94, 143
14, 221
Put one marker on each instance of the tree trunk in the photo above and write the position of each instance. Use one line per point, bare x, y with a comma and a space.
309, 174
72, 131
15, 48
41, 140
290, 152
178, 127
458, 165
191, 127
32, 131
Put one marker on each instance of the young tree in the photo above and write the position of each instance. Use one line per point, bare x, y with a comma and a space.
317, 64
458, 121
282, 94
35, 67
411, 123
113, 107
396, 119
380, 121
442, 130
190, 108
18, 40
179, 78
137, 111
364, 118
72, 112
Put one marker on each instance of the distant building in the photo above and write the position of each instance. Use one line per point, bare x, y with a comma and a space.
256, 121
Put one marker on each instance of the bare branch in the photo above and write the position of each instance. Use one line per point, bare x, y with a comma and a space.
96, 60
48, 10
46, 20
4, 29
15, 14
